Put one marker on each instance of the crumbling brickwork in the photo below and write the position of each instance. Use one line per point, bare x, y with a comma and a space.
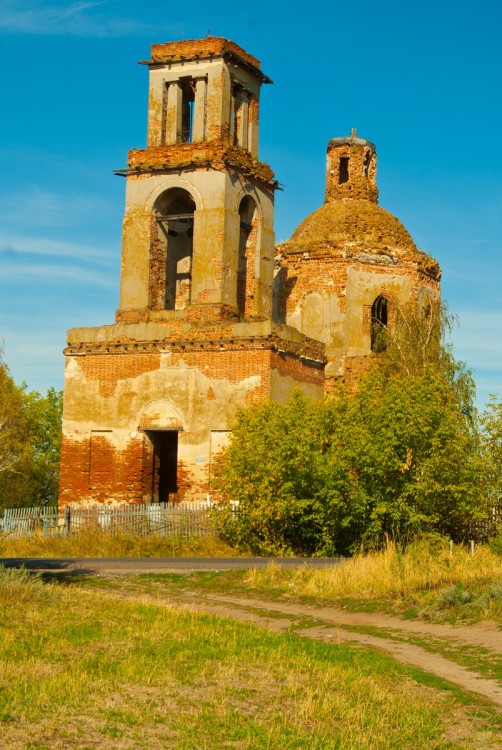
351, 169
203, 325
197, 49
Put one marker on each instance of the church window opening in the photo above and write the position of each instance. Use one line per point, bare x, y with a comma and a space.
239, 116
172, 250
248, 233
187, 110
367, 161
379, 320
344, 170
234, 134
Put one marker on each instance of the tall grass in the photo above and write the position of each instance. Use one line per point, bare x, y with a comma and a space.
389, 573
18, 586
99, 543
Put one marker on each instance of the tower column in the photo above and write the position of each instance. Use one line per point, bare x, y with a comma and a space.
199, 116
253, 128
242, 119
174, 113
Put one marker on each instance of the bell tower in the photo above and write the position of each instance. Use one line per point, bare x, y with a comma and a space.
351, 169
198, 224
150, 400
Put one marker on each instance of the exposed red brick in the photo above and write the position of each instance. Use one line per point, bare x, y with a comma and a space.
189, 49
108, 369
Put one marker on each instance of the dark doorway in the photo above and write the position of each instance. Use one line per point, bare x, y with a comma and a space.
165, 464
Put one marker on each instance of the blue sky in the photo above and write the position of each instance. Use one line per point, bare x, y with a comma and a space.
421, 80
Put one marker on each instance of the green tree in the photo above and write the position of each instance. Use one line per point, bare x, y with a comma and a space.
43, 417
491, 424
413, 455
398, 457
30, 439
491, 447
273, 468
15, 446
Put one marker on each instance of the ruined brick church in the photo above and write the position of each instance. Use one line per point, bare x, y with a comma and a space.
212, 315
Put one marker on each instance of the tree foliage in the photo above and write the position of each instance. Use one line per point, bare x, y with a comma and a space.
400, 456
43, 417
15, 448
30, 436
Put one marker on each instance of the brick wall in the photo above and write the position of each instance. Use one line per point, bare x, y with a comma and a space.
108, 369
117, 464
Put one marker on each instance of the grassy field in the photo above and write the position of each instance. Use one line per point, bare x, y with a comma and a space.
83, 668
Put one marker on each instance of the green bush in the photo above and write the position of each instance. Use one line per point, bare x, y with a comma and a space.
403, 456
495, 543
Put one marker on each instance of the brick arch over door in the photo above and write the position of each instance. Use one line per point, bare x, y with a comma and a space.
162, 414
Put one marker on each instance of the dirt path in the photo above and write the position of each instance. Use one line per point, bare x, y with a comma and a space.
257, 611
484, 634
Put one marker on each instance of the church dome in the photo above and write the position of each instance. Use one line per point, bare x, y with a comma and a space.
351, 221
351, 224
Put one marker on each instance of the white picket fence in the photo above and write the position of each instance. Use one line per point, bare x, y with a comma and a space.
161, 519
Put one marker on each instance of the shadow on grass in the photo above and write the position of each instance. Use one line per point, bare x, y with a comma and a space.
61, 571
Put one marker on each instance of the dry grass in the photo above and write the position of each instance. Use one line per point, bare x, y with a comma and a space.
389, 574
97, 543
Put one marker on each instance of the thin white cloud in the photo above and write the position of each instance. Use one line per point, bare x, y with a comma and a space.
41, 348
14, 245
27, 154
37, 207
74, 19
12, 272
35, 358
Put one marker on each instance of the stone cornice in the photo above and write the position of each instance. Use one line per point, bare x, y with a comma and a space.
216, 155
307, 349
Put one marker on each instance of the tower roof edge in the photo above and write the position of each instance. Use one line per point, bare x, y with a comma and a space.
350, 140
207, 47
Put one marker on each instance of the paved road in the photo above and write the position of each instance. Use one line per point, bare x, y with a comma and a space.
134, 565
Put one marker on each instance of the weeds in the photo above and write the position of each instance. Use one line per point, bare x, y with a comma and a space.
18, 585
466, 601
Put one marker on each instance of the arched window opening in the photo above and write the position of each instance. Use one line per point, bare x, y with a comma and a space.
248, 234
379, 320
172, 250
